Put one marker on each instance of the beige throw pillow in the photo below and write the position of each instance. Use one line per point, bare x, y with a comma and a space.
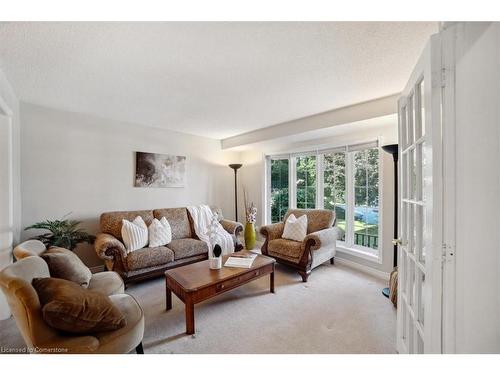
64, 264
160, 233
134, 234
70, 308
295, 228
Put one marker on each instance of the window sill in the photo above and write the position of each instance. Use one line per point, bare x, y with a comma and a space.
341, 247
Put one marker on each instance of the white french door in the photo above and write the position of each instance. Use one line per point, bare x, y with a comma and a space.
419, 313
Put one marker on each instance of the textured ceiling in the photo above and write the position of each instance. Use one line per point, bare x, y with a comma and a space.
211, 79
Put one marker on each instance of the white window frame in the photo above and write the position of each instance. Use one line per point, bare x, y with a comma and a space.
347, 246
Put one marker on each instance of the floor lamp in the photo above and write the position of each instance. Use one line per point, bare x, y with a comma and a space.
235, 167
393, 150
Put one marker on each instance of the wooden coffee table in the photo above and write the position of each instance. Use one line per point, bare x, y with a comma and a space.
197, 282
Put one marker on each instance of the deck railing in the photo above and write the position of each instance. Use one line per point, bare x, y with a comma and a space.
367, 240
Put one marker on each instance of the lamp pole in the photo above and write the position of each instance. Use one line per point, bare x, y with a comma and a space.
235, 167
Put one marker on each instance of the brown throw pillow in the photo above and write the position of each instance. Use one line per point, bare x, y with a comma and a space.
70, 308
64, 264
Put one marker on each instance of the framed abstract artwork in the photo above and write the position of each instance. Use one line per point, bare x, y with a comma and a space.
159, 170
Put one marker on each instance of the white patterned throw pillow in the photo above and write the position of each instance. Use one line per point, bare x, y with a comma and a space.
295, 229
134, 234
160, 233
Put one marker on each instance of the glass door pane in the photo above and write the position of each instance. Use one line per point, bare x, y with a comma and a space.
421, 92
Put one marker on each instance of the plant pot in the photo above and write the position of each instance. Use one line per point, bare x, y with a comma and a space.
250, 236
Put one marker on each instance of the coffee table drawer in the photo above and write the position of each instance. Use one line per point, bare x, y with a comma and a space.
228, 284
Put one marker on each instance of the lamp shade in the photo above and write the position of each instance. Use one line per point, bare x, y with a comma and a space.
393, 150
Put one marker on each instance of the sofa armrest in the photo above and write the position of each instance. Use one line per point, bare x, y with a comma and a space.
272, 231
109, 247
321, 238
232, 227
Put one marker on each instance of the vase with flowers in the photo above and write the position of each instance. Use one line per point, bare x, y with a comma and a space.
251, 217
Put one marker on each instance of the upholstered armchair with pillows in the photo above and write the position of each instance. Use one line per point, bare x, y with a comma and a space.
27, 283
66, 264
307, 250
29, 248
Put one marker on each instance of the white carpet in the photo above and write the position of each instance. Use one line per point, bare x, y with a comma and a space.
339, 310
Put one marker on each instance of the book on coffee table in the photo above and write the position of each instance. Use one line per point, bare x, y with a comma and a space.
240, 260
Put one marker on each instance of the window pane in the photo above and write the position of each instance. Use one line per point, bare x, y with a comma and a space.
372, 171
360, 169
360, 196
366, 198
334, 197
412, 174
306, 181
279, 189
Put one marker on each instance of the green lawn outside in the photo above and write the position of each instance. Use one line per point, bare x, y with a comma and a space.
359, 227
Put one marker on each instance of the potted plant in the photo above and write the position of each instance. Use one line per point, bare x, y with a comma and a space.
62, 233
251, 217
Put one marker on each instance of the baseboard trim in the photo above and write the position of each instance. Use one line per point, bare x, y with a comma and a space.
361, 267
97, 269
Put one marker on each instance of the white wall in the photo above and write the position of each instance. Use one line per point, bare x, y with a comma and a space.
7, 94
85, 165
9, 99
478, 188
252, 178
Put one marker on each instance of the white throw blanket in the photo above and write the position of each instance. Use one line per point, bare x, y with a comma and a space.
202, 219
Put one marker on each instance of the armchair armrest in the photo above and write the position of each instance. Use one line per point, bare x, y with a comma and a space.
109, 247
321, 238
272, 231
232, 227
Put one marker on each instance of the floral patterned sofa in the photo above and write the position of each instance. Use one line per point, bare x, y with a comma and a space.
150, 262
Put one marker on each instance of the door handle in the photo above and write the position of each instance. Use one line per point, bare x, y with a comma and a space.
397, 241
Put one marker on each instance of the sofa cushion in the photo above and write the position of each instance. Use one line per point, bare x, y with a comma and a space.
134, 234
295, 228
178, 219
286, 249
70, 308
64, 264
160, 233
187, 247
148, 257
111, 222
